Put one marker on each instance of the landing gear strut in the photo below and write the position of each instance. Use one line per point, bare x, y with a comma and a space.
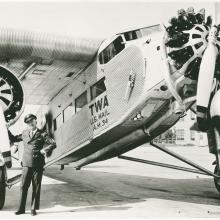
196, 168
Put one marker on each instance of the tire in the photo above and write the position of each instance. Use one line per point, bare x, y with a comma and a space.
217, 180
2, 187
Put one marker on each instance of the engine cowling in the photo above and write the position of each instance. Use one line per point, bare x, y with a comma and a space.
11, 96
194, 51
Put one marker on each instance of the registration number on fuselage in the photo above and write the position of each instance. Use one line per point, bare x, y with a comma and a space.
99, 113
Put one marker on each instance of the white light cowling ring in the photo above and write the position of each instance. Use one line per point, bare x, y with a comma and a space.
11, 107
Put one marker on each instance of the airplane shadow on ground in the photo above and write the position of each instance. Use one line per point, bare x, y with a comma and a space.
98, 191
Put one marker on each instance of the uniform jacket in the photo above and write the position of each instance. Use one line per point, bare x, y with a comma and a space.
32, 157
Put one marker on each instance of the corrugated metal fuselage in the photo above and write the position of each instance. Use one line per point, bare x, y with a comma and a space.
133, 110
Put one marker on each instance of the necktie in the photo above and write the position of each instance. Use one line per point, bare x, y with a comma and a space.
31, 133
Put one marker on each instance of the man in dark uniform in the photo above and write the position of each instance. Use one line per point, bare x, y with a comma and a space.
37, 145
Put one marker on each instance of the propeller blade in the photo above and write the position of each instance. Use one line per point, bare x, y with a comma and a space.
205, 80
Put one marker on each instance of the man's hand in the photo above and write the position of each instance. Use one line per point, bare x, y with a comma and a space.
15, 148
43, 152
49, 146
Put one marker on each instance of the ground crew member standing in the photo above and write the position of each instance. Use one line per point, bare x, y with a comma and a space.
37, 145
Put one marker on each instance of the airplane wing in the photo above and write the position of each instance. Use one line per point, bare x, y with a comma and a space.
45, 63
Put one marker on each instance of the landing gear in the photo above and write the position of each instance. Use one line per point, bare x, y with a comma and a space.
2, 186
196, 167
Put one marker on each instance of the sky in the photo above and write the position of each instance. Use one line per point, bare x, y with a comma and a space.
89, 18
93, 19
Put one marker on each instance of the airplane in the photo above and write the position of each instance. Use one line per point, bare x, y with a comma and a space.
101, 98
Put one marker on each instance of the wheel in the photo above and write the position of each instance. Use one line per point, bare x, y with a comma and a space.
2, 187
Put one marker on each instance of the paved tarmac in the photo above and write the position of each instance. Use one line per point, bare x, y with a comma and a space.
119, 189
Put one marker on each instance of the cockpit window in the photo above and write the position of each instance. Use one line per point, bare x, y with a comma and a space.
151, 30
132, 35
111, 50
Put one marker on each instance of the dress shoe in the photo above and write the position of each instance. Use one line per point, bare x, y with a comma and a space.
20, 212
33, 212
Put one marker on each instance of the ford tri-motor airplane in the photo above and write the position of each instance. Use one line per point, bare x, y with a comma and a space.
102, 98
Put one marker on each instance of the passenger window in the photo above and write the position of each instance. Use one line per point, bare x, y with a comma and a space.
111, 50
68, 112
98, 88
81, 101
58, 121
